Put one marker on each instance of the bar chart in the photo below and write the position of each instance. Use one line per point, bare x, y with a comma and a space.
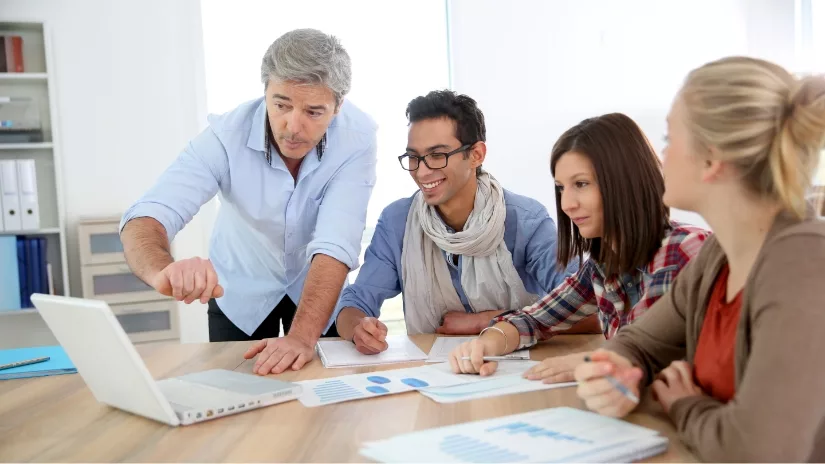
336, 390
516, 428
467, 449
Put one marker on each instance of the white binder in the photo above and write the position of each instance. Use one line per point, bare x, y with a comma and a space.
11, 198
29, 206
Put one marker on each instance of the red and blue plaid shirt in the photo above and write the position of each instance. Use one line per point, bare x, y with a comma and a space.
618, 299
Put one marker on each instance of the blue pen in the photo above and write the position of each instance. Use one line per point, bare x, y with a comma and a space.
618, 385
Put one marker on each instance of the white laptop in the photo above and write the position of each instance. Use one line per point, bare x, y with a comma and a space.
116, 375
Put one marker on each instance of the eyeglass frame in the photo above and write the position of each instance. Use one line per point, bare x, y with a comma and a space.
423, 158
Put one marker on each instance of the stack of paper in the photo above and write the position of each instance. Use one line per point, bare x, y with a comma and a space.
443, 346
341, 353
59, 362
549, 435
507, 380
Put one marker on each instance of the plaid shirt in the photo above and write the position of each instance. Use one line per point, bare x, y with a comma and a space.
619, 300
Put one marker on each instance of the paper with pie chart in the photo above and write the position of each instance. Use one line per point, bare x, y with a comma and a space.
361, 386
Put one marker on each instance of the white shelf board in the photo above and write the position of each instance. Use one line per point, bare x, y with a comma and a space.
23, 77
18, 312
26, 146
51, 230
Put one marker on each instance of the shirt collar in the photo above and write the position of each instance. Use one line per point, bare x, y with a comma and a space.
257, 133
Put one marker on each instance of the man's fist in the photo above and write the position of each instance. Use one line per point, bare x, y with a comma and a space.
188, 280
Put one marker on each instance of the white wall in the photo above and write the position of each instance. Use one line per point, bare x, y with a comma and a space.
391, 64
130, 94
130, 84
538, 67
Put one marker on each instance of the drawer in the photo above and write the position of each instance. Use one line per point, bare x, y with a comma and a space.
100, 243
153, 320
115, 283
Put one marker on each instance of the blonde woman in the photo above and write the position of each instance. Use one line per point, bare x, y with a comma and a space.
747, 315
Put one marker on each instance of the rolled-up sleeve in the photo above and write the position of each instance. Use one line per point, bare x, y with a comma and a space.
343, 211
189, 182
378, 278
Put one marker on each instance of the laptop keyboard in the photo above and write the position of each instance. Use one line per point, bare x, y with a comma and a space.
186, 395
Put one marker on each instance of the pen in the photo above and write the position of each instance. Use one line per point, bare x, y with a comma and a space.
493, 358
618, 385
24, 363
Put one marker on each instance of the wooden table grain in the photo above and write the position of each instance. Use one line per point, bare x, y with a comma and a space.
56, 419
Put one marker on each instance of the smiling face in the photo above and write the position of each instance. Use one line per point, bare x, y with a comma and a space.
299, 115
438, 135
581, 199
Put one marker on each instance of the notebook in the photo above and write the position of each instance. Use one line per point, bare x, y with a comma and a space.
548, 435
342, 353
57, 365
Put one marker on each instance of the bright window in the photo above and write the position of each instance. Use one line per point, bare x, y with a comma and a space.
810, 40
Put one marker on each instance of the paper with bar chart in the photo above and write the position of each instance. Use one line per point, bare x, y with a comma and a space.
549, 435
360, 386
507, 380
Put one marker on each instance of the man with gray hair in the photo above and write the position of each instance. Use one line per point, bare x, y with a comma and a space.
294, 171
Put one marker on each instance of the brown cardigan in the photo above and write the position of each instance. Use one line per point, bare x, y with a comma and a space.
778, 411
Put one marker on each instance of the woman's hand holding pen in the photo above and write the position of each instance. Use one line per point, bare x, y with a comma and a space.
608, 383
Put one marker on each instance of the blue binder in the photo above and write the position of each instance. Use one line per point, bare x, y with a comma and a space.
23, 272
32, 273
44, 273
9, 274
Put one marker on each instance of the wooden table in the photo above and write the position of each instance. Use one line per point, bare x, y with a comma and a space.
57, 418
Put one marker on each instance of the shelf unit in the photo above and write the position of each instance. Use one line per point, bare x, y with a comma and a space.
23, 327
144, 314
26, 146
24, 76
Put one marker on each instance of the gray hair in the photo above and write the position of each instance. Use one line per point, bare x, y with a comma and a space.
309, 56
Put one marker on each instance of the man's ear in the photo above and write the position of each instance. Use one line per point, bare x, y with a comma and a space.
477, 153
338, 106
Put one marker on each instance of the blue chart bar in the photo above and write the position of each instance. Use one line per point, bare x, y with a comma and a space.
468, 449
535, 431
336, 390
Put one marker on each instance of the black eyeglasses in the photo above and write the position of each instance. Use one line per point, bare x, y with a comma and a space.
432, 161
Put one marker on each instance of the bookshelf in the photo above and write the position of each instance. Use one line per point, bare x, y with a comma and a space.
24, 327
24, 76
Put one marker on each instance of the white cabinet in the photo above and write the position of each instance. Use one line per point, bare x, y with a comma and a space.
144, 314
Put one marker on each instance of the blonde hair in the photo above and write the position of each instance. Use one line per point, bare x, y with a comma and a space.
756, 114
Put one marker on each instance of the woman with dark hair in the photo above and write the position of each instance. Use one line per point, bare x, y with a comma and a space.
609, 189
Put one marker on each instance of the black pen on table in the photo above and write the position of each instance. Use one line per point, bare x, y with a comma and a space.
24, 363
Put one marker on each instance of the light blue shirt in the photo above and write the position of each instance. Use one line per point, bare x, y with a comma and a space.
269, 225
529, 234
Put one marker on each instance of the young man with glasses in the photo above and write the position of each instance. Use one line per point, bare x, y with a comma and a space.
461, 249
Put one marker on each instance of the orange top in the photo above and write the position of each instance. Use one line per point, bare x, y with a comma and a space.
713, 364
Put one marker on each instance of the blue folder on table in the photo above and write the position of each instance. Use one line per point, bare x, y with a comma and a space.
58, 364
